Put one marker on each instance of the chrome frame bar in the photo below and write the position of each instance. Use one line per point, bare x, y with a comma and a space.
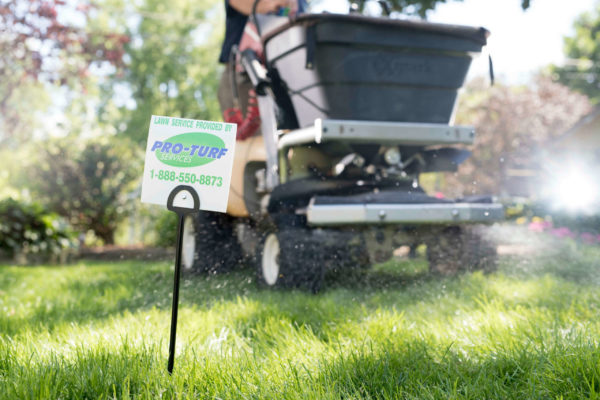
348, 214
389, 133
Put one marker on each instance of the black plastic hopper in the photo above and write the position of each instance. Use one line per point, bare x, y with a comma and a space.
365, 68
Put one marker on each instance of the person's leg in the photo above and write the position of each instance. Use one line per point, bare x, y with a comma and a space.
248, 150
231, 110
225, 93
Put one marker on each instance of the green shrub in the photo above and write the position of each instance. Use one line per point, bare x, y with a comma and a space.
28, 229
166, 229
87, 181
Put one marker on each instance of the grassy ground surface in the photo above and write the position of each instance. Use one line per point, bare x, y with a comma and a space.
100, 330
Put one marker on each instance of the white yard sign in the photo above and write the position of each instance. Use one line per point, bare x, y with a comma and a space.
189, 152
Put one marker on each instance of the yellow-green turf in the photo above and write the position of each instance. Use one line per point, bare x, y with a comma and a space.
100, 330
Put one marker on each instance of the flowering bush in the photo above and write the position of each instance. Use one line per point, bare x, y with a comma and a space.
574, 232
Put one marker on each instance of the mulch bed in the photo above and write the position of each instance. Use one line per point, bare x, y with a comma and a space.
115, 253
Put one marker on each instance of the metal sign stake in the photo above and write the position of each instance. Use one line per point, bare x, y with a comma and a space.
181, 212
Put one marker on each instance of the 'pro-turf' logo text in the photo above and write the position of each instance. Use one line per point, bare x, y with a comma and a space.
189, 149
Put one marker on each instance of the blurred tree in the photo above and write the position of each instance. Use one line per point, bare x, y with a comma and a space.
582, 71
511, 124
86, 181
170, 65
45, 42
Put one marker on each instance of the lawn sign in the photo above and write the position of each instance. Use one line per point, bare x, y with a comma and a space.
187, 169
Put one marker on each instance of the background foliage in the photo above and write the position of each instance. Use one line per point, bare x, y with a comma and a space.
582, 71
86, 181
166, 229
28, 229
171, 65
512, 125
40, 50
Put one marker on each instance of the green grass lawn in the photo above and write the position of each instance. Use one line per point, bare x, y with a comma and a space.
100, 330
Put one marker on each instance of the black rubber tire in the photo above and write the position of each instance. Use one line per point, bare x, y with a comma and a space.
217, 247
348, 254
479, 251
463, 248
298, 260
444, 251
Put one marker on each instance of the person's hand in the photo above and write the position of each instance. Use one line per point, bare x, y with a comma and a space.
267, 6
263, 6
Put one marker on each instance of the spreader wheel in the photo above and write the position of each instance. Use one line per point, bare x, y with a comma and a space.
270, 272
465, 248
288, 259
213, 243
444, 251
479, 251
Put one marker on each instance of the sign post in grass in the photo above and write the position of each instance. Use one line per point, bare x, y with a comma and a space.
187, 169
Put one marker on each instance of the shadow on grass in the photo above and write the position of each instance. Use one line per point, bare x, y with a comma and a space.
46, 297
395, 274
